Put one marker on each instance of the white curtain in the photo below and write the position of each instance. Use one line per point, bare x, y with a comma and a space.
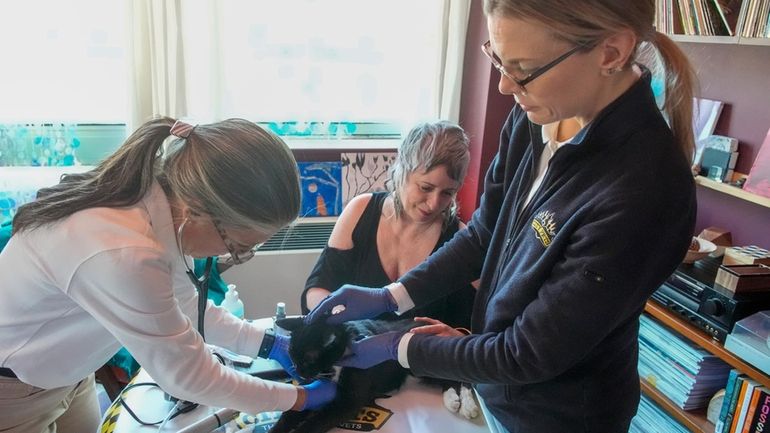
455, 27
164, 65
155, 61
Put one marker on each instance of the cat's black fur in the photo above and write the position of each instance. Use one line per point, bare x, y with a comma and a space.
315, 348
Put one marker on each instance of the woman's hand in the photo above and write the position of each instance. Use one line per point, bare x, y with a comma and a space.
353, 303
373, 350
435, 327
315, 395
280, 353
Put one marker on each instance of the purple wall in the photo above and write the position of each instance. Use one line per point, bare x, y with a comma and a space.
482, 110
740, 76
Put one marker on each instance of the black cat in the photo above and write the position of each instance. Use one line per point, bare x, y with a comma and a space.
315, 348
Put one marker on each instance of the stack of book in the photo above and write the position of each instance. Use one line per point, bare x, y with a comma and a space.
746, 406
651, 418
757, 24
685, 373
696, 17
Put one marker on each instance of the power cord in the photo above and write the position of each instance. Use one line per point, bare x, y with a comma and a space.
177, 407
180, 407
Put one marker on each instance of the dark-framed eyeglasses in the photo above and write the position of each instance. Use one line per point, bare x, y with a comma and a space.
522, 82
238, 255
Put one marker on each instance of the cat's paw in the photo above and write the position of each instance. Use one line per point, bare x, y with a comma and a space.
468, 407
451, 400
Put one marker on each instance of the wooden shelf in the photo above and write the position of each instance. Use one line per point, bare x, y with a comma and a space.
706, 39
704, 340
733, 191
754, 41
695, 421
734, 40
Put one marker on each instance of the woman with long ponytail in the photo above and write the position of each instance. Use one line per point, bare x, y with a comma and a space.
588, 207
103, 259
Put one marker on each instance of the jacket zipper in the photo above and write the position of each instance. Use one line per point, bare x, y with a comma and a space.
516, 226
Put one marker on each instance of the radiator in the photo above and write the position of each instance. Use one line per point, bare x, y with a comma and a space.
278, 271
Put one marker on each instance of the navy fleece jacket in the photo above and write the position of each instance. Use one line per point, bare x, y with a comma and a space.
564, 278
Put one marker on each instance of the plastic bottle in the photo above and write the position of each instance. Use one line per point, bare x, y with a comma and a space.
232, 302
280, 313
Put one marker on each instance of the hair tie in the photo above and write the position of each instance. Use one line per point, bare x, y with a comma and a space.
182, 129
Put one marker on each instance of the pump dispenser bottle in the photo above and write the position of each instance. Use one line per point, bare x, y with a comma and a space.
232, 302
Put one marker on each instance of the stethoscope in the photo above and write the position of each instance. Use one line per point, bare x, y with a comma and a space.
201, 283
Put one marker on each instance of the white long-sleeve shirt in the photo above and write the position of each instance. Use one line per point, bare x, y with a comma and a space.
74, 291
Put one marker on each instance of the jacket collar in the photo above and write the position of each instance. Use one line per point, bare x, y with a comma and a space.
622, 117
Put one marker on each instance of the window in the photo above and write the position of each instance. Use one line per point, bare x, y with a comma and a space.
62, 62
63, 86
331, 68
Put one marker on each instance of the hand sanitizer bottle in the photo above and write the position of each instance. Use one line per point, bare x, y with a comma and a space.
280, 313
232, 302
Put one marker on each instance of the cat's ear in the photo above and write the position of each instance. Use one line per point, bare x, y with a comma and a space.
290, 323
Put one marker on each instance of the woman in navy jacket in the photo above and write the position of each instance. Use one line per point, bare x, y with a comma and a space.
574, 231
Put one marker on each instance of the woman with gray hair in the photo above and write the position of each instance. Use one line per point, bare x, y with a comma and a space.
103, 259
382, 235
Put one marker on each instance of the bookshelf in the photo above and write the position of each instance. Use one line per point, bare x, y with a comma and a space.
735, 40
687, 21
694, 420
733, 191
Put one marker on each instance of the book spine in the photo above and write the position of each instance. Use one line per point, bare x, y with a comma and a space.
729, 390
762, 412
752, 408
744, 404
732, 416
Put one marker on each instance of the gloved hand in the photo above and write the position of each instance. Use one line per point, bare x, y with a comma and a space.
373, 350
359, 303
318, 393
280, 353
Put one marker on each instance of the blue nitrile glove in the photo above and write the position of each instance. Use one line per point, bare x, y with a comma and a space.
319, 393
280, 353
359, 302
373, 350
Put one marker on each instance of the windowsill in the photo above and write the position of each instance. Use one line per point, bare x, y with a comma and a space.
29, 176
305, 143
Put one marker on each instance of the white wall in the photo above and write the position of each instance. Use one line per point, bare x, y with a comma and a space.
272, 277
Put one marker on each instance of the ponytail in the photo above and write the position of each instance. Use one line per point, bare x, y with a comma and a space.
120, 180
680, 84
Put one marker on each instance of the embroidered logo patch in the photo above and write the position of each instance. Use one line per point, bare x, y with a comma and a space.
544, 227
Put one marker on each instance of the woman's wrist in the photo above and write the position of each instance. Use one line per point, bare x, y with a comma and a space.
301, 397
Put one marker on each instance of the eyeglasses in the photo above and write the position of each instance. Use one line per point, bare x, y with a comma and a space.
237, 255
521, 83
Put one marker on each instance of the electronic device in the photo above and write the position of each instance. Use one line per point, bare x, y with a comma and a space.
692, 294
